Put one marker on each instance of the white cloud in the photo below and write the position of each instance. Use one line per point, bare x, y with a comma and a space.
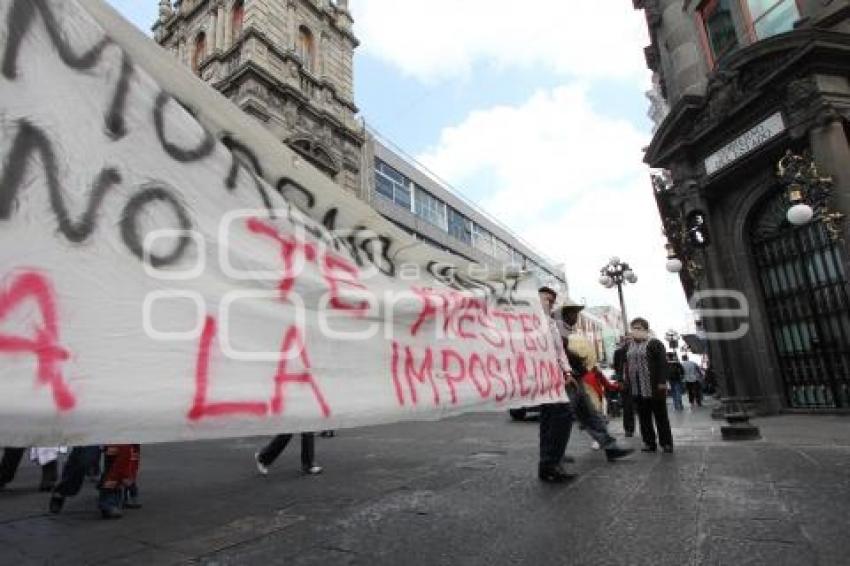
571, 181
436, 39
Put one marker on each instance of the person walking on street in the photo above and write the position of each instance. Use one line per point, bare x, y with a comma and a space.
266, 457
46, 457
556, 419
675, 374
117, 487
626, 400
693, 381
582, 360
646, 375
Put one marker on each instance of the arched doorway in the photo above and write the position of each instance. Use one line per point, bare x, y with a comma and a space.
804, 288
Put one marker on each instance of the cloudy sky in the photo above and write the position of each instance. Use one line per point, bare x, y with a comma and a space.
537, 114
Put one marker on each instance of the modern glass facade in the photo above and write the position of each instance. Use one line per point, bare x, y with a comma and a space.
397, 188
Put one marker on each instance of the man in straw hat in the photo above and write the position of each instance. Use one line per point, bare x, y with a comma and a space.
582, 359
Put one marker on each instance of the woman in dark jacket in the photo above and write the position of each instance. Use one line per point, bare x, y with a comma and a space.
646, 376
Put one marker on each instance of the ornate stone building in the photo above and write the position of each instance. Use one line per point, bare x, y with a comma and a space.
747, 81
288, 63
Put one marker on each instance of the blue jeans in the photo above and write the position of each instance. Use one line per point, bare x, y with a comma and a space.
676, 390
593, 422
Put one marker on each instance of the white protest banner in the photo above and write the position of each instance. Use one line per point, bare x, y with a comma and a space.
168, 270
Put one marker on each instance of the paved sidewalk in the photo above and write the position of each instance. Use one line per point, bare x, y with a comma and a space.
464, 491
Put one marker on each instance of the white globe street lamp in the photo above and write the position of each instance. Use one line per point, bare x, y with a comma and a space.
674, 265
800, 214
617, 273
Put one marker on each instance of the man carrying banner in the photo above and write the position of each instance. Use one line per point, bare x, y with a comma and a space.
556, 419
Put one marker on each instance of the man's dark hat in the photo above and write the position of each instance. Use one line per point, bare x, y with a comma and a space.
545, 289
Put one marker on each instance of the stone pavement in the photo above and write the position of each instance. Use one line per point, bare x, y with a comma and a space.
464, 491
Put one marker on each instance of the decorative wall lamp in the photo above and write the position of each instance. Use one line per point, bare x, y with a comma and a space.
687, 235
808, 193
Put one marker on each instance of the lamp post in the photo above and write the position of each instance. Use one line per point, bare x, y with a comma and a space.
618, 273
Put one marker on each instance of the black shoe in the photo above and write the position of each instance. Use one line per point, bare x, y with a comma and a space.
111, 512
554, 474
667, 449
56, 503
568, 460
616, 453
629, 434
649, 449
131, 498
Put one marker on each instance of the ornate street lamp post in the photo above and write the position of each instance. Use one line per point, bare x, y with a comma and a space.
618, 273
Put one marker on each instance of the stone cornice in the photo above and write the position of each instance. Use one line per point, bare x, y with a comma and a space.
756, 74
253, 70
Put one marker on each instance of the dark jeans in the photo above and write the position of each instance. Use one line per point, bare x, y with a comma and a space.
628, 412
656, 407
694, 392
12, 459
592, 421
80, 459
556, 422
273, 449
9, 465
676, 393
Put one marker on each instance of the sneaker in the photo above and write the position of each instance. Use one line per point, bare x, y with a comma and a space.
567, 459
312, 470
629, 434
595, 445
616, 453
649, 449
555, 474
56, 503
261, 468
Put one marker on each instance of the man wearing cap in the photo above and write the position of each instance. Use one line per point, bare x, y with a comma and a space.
582, 360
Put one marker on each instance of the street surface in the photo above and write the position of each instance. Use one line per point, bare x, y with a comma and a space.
464, 491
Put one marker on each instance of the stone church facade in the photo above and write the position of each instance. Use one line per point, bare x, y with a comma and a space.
287, 63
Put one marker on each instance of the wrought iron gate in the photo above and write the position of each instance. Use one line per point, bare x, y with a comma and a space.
805, 292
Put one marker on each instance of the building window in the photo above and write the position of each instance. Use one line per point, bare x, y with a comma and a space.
718, 28
430, 208
199, 52
306, 48
502, 251
392, 185
520, 260
482, 240
771, 17
237, 17
460, 227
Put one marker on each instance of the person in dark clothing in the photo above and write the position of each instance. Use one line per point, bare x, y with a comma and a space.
646, 375
12, 457
117, 487
626, 399
266, 457
675, 375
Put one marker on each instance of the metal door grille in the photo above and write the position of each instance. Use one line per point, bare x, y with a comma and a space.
806, 296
